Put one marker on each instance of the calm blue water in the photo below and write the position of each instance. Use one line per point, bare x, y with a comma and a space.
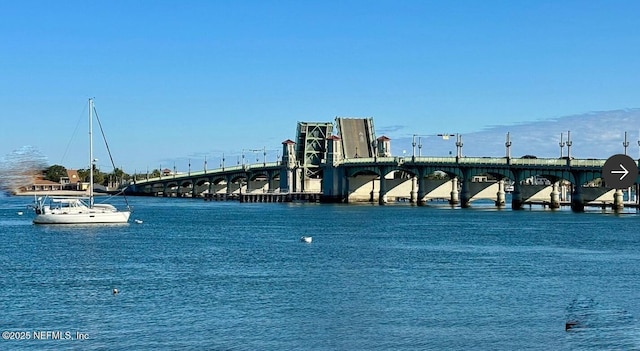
227, 276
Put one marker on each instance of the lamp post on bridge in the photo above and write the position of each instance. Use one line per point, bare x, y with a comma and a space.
242, 157
205, 163
507, 144
375, 150
561, 143
459, 146
413, 144
569, 143
625, 143
189, 171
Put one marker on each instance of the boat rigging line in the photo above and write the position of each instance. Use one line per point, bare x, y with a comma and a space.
109, 152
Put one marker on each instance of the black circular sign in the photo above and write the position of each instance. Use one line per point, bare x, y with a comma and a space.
620, 171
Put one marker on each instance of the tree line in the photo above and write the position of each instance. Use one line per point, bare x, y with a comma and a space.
56, 172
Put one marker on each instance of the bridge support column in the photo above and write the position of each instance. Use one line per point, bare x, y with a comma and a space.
465, 195
500, 195
414, 194
618, 203
164, 190
453, 200
270, 183
382, 194
555, 196
194, 190
228, 190
210, 190
577, 202
421, 188
516, 196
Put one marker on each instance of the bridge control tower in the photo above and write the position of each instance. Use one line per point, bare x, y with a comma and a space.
357, 139
311, 148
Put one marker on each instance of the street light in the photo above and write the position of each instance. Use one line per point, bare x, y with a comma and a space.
507, 144
561, 143
569, 143
625, 143
459, 145
413, 144
375, 150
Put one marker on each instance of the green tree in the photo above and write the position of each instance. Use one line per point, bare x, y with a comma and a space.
98, 177
119, 175
83, 174
55, 172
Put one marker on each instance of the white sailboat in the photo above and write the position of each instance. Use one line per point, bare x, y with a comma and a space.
74, 210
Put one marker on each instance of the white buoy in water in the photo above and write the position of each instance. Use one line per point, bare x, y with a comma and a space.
20, 213
139, 221
306, 239
115, 291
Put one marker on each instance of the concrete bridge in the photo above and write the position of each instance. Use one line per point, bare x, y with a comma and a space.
356, 166
458, 180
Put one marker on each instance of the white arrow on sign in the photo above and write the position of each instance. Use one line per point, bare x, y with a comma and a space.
624, 172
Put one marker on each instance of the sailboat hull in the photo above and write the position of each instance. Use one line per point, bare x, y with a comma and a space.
91, 217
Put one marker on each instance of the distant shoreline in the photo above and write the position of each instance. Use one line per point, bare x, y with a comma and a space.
57, 193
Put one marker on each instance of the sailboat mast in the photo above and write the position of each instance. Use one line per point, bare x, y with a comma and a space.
90, 153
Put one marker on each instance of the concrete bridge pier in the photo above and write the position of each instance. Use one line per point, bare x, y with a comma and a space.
228, 191
465, 194
164, 190
421, 188
382, 193
555, 196
454, 191
577, 200
414, 194
618, 203
500, 201
516, 196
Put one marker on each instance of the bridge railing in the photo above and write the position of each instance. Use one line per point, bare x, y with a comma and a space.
588, 163
538, 162
358, 160
235, 168
483, 160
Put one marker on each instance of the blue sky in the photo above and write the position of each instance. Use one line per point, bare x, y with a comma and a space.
180, 80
